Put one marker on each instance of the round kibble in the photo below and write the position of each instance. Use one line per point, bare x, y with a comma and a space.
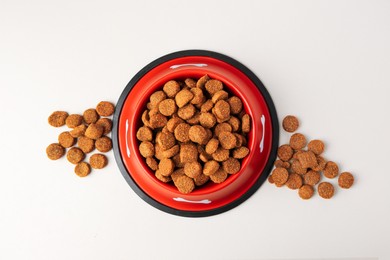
177, 173
157, 97
193, 169
182, 132
207, 106
235, 123
66, 140
144, 133
75, 155
166, 167
152, 163
158, 121
222, 109
167, 107
57, 118
227, 140
198, 134
198, 96
285, 152
194, 120
316, 146
213, 85
191, 83
55, 151
306, 192
219, 176
207, 120
183, 97
146, 149
90, 116
297, 141
105, 108
220, 154
212, 146
186, 112
103, 144
171, 151
240, 152
184, 184
171, 88
325, 190
346, 180
94, 131
173, 123
202, 81
296, 167
188, 153
73, 120
98, 161
312, 178
201, 179
246, 123
294, 181
280, 176
82, 169
219, 95
161, 177
86, 144
166, 140
235, 105
290, 123
78, 131
210, 167
231, 166
331, 170
222, 127
106, 123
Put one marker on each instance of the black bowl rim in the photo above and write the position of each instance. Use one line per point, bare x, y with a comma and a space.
274, 122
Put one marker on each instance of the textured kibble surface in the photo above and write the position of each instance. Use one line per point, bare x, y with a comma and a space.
301, 165
193, 132
87, 132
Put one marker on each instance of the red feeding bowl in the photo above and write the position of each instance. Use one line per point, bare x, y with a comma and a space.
209, 199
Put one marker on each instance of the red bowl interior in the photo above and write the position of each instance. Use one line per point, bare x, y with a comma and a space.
209, 196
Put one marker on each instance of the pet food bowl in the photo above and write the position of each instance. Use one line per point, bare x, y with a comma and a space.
211, 198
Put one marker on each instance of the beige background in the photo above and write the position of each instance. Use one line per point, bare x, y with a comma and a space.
326, 61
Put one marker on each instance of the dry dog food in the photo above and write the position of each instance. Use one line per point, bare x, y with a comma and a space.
300, 168
190, 134
88, 131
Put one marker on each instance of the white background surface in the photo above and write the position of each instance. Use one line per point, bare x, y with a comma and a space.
326, 61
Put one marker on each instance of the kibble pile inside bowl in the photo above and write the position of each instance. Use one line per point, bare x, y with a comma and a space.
193, 131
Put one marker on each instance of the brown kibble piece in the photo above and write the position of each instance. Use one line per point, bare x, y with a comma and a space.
55, 151
307, 159
166, 140
86, 144
210, 167
240, 152
207, 120
176, 174
290, 123
198, 134
78, 131
297, 141
207, 106
161, 177
320, 164
296, 167
105, 108
306, 192
90, 116
146, 149
144, 133
145, 118
170, 152
280, 176
183, 97
193, 169
103, 144
173, 123
198, 96
186, 112
240, 140
222, 109
57, 118
222, 127
296, 153
235, 123
294, 181
194, 120
157, 97
219, 176
231, 166
212, 146
220, 154
98, 161
184, 184
202, 81
219, 95
188, 153
246, 123
176, 160
316, 146
82, 169
325, 190
66, 140
166, 167
312, 177
158, 121
171, 88
201, 179
235, 105
191, 83
182, 132
331, 170
285, 152
280, 163
75, 155
213, 86
94, 131
152, 163
346, 180
167, 107
73, 120
271, 179
227, 140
